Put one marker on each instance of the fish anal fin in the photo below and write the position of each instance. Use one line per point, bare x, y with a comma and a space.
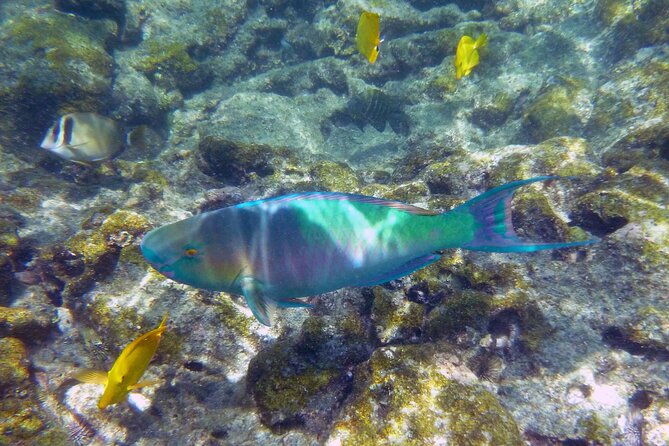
260, 306
402, 270
91, 376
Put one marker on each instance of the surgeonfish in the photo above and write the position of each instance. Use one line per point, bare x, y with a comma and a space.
84, 138
277, 250
467, 55
127, 370
368, 35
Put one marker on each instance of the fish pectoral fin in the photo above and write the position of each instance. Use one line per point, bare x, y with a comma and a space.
145, 383
91, 376
402, 270
260, 306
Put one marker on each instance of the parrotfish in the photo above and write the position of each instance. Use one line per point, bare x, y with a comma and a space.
467, 55
278, 250
127, 370
368, 35
84, 138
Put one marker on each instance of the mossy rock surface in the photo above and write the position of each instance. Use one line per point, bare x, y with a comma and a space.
553, 113
395, 317
335, 177
235, 162
464, 309
24, 323
291, 391
400, 397
171, 65
13, 363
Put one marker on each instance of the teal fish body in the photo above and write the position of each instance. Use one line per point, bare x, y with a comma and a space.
278, 250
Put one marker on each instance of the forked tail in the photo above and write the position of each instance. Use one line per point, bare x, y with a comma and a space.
492, 219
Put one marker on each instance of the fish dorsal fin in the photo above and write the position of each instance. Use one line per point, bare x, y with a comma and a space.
91, 376
402, 270
260, 306
340, 196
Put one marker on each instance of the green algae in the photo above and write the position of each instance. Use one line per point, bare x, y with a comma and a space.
495, 113
291, 392
232, 318
22, 322
552, 113
395, 317
284, 384
596, 432
464, 309
64, 39
421, 406
160, 56
480, 418
561, 156
9, 237
13, 363
335, 176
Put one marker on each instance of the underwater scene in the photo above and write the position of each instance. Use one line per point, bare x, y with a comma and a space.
345, 222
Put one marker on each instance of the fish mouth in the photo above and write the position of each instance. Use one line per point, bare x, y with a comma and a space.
151, 255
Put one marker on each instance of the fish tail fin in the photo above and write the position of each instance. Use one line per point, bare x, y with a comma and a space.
481, 41
493, 230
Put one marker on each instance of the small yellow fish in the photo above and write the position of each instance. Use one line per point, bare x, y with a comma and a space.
127, 370
368, 35
467, 55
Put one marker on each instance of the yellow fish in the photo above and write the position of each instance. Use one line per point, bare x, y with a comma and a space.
467, 55
127, 370
368, 36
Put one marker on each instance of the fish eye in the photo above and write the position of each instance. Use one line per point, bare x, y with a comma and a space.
190, 252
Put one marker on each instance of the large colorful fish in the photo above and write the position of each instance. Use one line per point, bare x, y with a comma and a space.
277, 250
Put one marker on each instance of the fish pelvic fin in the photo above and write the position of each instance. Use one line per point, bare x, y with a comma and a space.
261, 306
91, 376
493, 229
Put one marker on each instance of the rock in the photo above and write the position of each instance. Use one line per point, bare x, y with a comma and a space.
23, 323
96, 9
336, 177
424, 400
396, 318
553, 113
235, 162
170, 65
73, 72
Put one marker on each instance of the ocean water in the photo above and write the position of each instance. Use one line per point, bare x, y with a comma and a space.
213, 104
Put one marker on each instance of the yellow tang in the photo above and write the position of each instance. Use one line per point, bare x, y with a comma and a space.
467, 55
127, 370
368, 36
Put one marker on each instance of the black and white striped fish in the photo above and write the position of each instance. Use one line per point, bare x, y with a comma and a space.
84, 137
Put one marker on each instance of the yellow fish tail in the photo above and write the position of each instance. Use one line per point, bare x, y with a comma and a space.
481, 41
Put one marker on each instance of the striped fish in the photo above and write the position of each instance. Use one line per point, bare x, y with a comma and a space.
84, 138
